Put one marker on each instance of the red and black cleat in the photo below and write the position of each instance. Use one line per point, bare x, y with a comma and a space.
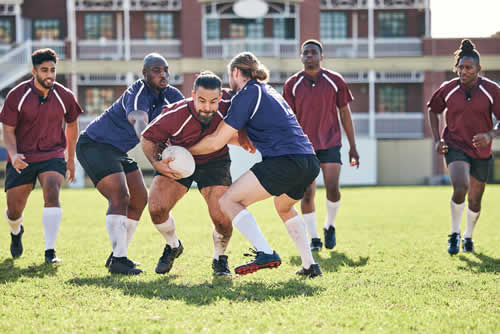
261, 261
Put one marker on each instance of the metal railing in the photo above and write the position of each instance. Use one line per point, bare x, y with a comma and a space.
15, 64
267, 47
384, 47
58, 46
391, 125
167, 48
100, 49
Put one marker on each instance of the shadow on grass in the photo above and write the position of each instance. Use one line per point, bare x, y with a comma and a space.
485, 264
333, 262
10, 273
204, 293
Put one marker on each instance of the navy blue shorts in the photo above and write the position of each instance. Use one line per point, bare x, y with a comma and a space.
287, 174
479, 168
331, 154
30, 173
100, 160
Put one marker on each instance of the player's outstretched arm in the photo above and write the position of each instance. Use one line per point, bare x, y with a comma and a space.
9, 138
152, 151
214, 141
348, 125
139, 120
71, 139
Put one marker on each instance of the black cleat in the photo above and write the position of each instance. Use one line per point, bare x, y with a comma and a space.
330, 239
221, 267
50, 257
167, 259
453, 243
313, 271
316, 244
16, 244
468, 245
261, 261
122, 265
108, 261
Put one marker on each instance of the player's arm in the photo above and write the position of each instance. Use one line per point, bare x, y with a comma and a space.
152, 151
484, 139
241, 139
348, 125
9, 138
439, 144
71, 139
215, 141
139, 120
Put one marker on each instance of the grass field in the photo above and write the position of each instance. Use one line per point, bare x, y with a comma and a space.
390, 272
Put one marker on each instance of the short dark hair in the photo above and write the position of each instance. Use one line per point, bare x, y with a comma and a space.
41, 55
467, 49
313, 42
208, 80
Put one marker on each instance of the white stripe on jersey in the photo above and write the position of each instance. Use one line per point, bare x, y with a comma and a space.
219, 113
493, 82
183, 125
296, 84
22, 100
452, 91
161, 116
137, 96
225, 101
165, 99
331, 81
486, 92
59, 98
258, 101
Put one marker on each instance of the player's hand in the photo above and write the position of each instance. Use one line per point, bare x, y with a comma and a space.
245, 142
482, 139
441, 147
18, 162
353, 157
163, 168
70, 170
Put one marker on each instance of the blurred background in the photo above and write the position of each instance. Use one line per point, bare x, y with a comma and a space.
392, 53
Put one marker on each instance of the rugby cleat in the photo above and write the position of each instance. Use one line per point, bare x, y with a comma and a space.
220, 266
108, 261
468, 245
261, 261
123, 265
316, 244
330, 239
167, 259
453, 243
313, 271
16, 243
50, 257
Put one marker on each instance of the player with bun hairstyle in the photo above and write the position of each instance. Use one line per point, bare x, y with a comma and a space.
289, 165
466, 140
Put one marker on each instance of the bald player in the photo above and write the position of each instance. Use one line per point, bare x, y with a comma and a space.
102, 150
319, 97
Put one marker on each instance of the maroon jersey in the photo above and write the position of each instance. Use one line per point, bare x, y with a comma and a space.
315, 103
39, 122
468, 113
179, 123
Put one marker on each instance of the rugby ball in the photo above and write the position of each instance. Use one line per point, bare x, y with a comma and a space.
183, 164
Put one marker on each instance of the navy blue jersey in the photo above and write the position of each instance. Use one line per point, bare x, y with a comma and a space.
113, 126
270, 123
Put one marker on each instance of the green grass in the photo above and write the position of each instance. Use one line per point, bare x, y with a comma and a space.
390, 272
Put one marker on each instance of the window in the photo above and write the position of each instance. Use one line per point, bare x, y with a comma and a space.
5, 30
392, 99
213, 29
284, 28
97, 100
46, 29
253, 29
333, 25
159, 26
98, 26
391, 24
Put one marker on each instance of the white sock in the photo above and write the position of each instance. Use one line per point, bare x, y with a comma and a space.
310, 221
471, 222
456, 216
331, 212
167, 229
246, 224
117, 230
15, 225
131, 227
297, 231
51, 220
220, 244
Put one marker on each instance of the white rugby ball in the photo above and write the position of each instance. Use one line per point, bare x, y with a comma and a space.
183, 164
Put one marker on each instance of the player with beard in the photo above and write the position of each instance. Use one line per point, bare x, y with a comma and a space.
318, 97
470, 101
33, 118
185, 123
102, 150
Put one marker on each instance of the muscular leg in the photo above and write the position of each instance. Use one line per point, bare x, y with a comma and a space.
51, 218
459, 176
475, 195
223, 227
16, 202
331, 175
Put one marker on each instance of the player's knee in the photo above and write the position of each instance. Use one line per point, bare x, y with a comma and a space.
224, 227
120, 201
474, 204
15, 212
158, 213
308, 196
224, 203
460, 191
